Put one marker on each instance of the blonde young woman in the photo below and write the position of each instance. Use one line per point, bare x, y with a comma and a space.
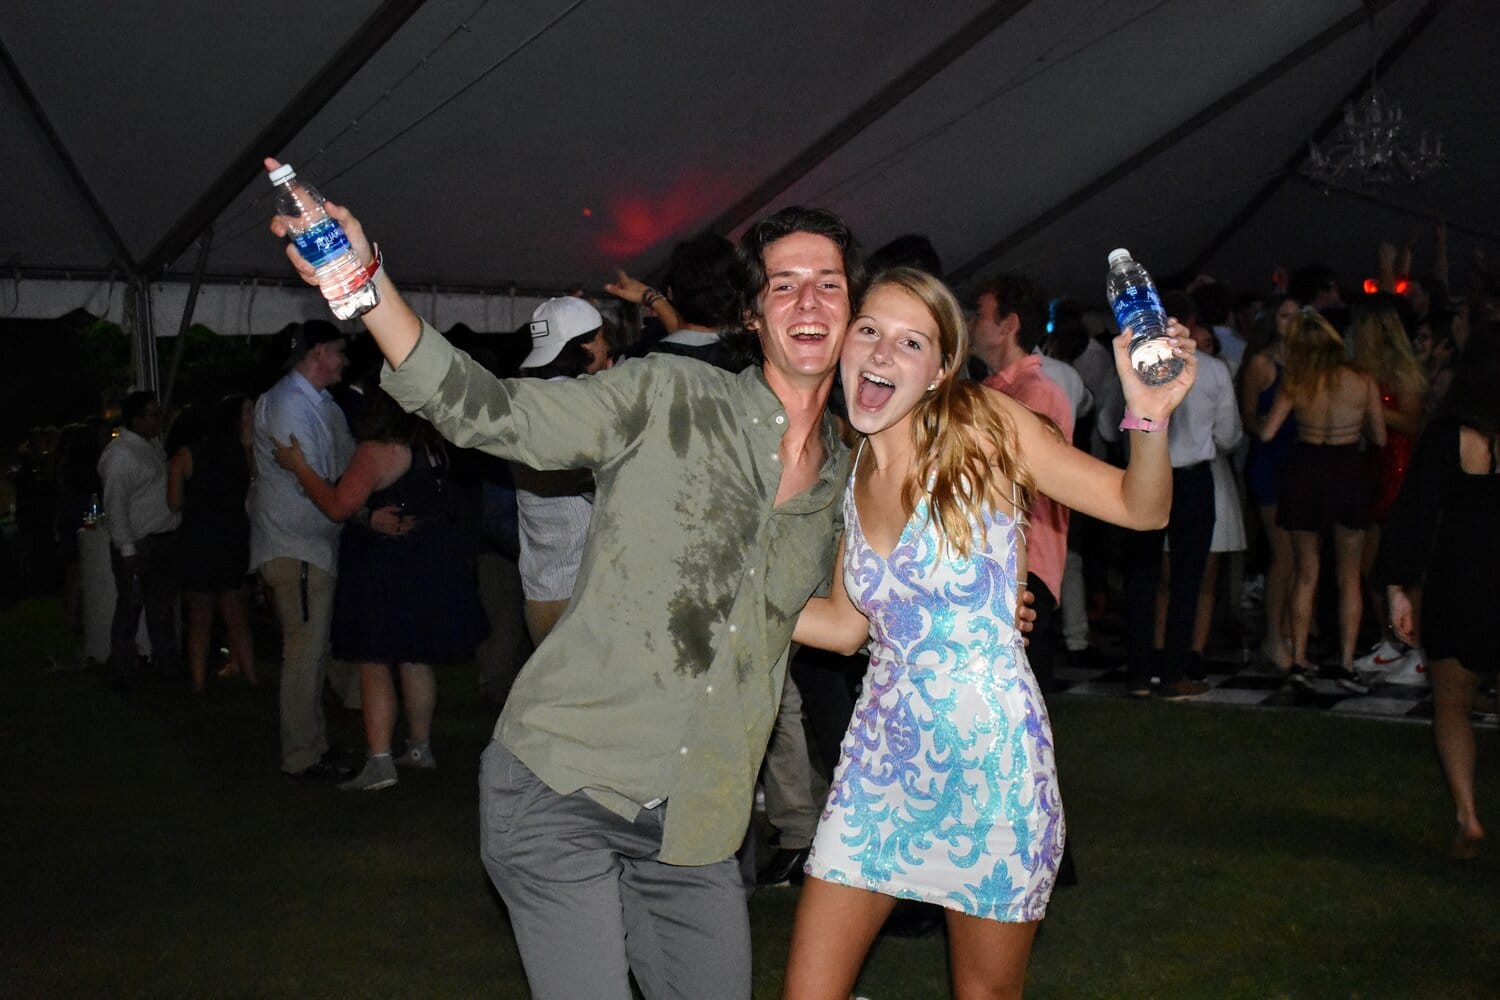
946, 786
1383, 351
1325, 483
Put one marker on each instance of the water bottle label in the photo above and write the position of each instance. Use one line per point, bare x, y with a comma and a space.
1134, 300
322, 243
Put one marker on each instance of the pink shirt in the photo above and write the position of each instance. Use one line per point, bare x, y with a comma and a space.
1047, 536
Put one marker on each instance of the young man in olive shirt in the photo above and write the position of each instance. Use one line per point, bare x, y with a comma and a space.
618, 785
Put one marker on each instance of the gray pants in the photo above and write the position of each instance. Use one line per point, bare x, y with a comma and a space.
589, 903
794, 791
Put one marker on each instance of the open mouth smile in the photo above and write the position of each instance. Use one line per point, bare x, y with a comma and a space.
874, 391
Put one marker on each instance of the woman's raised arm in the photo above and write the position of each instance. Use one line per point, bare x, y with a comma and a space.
1138, 497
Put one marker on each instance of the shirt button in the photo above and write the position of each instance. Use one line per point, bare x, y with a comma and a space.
752, 570
775, 457
734, 628
780, 419
709, 689
683, 751
755, 420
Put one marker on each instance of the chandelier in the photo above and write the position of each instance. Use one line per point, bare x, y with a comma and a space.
1374, 146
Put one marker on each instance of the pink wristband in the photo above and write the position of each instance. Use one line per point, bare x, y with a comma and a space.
1135, 423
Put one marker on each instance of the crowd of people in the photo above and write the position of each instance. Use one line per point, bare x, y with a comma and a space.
362, 541
800, 451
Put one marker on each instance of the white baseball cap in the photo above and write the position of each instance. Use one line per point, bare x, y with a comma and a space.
557, 322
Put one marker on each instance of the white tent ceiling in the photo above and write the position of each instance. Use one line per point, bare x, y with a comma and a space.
538, 145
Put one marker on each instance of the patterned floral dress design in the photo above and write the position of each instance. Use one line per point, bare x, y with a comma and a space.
946, 787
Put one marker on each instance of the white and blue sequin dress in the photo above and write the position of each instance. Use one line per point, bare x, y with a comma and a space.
946, 787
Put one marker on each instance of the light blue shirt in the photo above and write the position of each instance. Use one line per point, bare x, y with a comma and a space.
283, 521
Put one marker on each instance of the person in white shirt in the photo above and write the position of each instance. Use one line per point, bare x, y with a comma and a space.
554, 507
293, 546
133, 469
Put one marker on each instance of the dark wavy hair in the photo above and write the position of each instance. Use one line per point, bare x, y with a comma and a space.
750, 267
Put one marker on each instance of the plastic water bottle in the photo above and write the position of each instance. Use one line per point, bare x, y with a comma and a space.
93, 514
1133, 297
344, 281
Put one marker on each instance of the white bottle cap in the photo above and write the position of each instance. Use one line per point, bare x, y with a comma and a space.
1115, 256
285, 173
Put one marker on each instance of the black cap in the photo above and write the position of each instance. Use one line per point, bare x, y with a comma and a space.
310, 335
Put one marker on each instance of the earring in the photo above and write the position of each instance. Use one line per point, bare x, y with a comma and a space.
932, 385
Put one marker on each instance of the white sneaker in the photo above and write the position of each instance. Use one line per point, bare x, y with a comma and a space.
1410, 670
1379, 660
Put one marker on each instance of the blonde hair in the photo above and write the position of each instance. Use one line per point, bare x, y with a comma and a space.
1314, 354
1383, 351
961, 433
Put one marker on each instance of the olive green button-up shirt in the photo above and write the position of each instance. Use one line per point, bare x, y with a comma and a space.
662, 679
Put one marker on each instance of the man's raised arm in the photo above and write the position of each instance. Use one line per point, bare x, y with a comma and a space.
392, 323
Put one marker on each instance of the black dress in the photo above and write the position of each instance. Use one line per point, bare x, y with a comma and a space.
1444, 535
411, 597
212, 543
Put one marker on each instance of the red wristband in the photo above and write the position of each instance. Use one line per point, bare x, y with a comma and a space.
376, 263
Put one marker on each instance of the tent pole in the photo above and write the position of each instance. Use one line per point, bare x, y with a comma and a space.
65, 157
204, 243
303, 106
143, 337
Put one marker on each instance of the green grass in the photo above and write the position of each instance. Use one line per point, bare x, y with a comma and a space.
151, 848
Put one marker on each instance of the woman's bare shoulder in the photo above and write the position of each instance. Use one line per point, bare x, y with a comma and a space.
385, 454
